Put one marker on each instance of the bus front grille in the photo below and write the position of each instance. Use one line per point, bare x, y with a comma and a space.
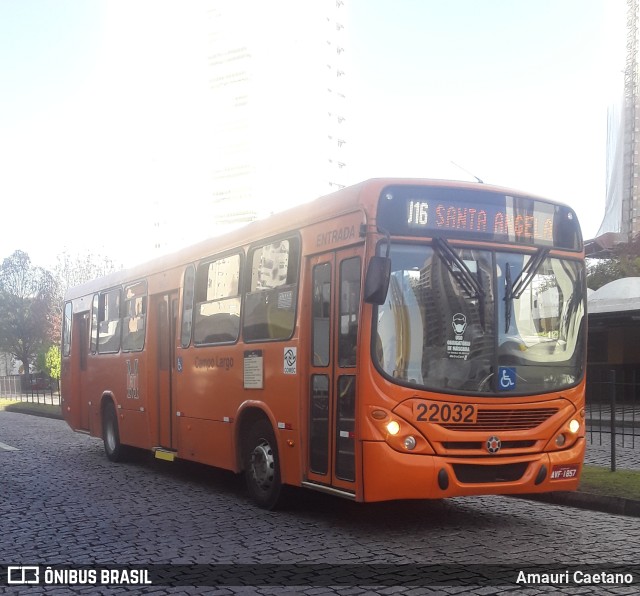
478, 445
490, 419
476, 474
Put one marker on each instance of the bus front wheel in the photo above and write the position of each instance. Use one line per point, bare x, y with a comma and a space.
110, 434
262, 466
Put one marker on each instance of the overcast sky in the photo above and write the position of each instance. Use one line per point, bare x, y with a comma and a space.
513, 91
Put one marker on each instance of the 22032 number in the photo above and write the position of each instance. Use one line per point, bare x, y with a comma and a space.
429, 411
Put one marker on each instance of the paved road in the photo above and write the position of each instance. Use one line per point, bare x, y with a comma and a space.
62, 502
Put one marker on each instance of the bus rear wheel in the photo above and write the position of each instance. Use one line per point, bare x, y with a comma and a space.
111, 435
262, 465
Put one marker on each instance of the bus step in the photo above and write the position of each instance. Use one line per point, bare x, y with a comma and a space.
165, 454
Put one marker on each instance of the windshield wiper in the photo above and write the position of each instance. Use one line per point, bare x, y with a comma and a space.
508, 297
460, 271
528, 273
515, 289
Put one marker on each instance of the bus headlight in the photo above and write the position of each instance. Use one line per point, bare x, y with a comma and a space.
393, 428
574, 426
560, 440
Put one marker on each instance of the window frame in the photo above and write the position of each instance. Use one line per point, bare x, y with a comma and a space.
67, 318
124, 310
201, 276
188, 304
102, 308
292, 283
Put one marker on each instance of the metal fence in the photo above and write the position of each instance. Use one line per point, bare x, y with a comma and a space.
34, 388
613, 413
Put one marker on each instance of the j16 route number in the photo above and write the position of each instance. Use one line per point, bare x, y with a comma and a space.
430, 411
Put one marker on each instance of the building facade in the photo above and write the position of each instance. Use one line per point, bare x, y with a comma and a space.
276, 116
622, 211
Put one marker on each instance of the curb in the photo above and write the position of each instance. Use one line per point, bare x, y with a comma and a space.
592, 501
17, 409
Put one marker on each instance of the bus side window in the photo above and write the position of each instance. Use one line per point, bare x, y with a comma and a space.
135, 313
270, 303
217, 296
94, 324
187, 306
349, 310
66, 329
109, 322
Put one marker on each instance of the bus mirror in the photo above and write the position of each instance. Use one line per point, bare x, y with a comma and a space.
376, 282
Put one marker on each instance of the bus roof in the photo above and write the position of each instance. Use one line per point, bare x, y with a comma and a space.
361, 196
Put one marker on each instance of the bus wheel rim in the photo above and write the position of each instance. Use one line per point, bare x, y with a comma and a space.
263, 465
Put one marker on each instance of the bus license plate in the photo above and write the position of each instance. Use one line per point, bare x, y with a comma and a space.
444, 413
563, 472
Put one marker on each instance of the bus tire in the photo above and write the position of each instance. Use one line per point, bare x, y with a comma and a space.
262, 465
114, 450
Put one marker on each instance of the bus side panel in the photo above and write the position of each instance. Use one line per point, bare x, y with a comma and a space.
210, 396
206, 441
120, 378
133, 426
281, 398
390, 475
134, 402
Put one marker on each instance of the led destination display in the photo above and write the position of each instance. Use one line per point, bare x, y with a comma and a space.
478, 214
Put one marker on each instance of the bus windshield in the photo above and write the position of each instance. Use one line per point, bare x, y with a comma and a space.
481, 321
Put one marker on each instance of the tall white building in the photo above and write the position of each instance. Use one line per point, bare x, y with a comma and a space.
276, 116
622, 211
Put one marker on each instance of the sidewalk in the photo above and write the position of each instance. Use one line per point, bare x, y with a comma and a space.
598, 454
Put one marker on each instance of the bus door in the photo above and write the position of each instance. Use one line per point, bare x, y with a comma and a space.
79, 353
335, 300
166, 312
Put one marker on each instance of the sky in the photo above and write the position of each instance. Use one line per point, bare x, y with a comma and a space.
101, 100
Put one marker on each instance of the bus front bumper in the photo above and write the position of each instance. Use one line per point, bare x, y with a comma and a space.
390, 475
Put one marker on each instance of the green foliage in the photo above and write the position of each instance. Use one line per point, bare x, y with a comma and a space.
27, 307
53, 362
41, 360
602, 271
624, 261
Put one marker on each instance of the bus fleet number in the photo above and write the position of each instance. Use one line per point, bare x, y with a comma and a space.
426, 411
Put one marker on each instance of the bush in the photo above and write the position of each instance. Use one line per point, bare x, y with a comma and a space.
52, 362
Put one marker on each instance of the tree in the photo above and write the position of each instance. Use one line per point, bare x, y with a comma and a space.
623, 261
27, 307
72, 271
52, 362
629, 257
602, 271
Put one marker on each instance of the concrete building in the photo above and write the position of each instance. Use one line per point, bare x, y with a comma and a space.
277, 111
621, 221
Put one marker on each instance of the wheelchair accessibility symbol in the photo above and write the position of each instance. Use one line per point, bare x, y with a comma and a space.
506, 378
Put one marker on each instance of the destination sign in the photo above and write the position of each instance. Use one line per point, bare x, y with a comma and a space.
480, 214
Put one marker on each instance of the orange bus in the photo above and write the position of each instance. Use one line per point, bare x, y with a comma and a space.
397, 339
